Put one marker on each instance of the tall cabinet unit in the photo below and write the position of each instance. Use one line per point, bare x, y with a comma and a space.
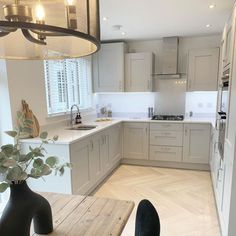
138, 72
224, 169
203, 69
108, 68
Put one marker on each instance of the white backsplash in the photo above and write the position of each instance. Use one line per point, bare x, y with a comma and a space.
127, 104
202, 104
165, 101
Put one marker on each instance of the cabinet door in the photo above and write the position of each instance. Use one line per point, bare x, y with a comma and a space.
104, 151
197, 143
80, 171
166, 153
94, 158
108, 68
136, 140
203, 69
138, 72
114, 144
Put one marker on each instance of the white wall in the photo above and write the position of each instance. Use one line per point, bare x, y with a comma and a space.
5, 111
26, 81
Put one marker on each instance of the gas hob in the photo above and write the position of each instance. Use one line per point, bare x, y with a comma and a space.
168, 117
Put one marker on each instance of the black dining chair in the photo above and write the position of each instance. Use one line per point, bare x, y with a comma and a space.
147, 220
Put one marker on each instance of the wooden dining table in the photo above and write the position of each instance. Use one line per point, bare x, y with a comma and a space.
76, 215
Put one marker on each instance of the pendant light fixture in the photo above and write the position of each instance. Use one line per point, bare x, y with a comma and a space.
49, 29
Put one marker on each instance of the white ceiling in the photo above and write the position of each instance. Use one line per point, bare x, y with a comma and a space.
149, 19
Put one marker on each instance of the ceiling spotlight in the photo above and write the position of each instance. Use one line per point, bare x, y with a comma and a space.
208, 25
212, 6
123, 33
105, 18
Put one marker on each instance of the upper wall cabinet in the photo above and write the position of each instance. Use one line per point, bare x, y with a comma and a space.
108, 68
227, 43
203, 69
138, 72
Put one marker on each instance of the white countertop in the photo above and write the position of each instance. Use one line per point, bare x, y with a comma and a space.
67, 136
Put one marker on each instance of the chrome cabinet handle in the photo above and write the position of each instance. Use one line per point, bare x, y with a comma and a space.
165, 125
120, 86
91, 145
149, 85
189, 84
186, 131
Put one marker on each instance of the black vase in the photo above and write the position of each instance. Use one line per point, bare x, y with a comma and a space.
23, 206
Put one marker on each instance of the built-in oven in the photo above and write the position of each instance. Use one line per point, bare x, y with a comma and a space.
224, 96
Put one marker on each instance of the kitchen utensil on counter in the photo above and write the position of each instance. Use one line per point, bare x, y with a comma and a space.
32, 123
150, 112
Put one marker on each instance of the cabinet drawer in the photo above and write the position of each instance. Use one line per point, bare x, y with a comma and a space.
168, 138
164, 153
166, 126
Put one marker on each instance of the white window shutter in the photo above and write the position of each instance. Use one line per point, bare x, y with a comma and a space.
68, 82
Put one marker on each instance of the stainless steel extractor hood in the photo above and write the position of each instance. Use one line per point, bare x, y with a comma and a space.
170, 58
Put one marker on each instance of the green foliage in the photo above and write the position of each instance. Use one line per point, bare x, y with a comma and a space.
16, 166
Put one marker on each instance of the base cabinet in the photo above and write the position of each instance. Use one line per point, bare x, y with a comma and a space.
136, 140
115, 140
80, 173
166, 153
196, 148
93, 158
104, 151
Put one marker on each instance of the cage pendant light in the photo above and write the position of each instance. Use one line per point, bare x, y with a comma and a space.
49, 29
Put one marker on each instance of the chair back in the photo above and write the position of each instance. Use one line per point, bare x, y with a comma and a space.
147, 220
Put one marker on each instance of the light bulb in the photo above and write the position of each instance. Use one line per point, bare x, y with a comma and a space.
40, 13
70, 2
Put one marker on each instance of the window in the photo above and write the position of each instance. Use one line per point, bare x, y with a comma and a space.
68, 82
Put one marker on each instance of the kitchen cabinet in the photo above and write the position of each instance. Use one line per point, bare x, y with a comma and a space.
166, 142
138, 72
80, 173
104, 150
196, 143
213, 153
166, 153
227, 40
136, 140
94, 158
85, 156
166, 134
108, 68
115, 143
203, 69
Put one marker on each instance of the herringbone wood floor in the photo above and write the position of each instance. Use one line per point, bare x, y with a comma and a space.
183, 198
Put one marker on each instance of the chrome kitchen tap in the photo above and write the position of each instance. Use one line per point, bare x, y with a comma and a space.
71, 114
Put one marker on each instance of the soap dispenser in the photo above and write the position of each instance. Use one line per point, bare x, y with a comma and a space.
78, 119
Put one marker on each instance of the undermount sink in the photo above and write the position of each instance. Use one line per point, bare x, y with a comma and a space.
83, 127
